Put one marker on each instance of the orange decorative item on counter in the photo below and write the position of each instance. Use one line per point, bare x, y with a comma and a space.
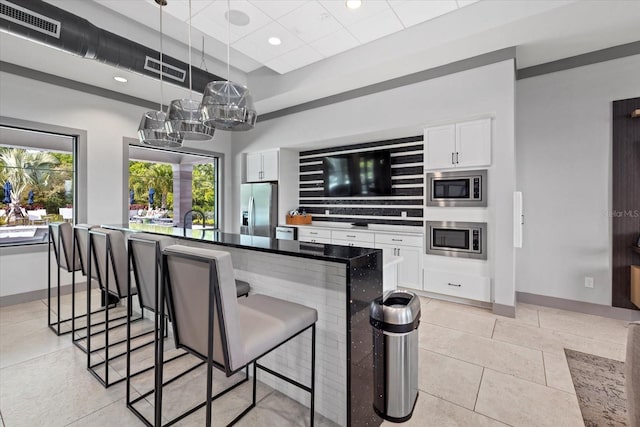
299, 219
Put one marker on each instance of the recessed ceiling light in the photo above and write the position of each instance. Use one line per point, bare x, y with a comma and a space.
353, 4
274, 41
120, 79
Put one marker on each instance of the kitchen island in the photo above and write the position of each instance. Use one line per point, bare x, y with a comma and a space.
340, 282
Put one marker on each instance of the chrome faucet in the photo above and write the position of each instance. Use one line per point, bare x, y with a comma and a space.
184, 221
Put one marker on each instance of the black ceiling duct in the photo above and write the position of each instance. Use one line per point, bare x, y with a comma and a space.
55, 27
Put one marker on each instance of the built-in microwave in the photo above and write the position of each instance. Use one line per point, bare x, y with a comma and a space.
465, 188
457, 239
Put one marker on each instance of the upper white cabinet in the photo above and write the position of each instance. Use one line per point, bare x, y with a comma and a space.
262, 166
464, 144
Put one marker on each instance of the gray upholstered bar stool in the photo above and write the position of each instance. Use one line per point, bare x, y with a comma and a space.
81, 249
200, 289
61, 241
108, 259
145, 252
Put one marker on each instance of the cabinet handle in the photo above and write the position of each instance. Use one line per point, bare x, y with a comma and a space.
457, 158
349, 235
457, 285
313, 232
396, 240
394, 251
452, 158
398, 251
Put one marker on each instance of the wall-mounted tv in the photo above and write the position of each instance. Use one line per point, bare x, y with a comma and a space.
357, 174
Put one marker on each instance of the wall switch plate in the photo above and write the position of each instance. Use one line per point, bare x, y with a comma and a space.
326, 211
403, 214
589, 282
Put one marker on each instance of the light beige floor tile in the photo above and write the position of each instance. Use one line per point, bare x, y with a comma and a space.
114, 415
526, 314
432, 411
480, 311
449, 379
54, 389
522, 403
29, 339
555, 341
511, 359
584, 325
557, 372
461, 320
12, 314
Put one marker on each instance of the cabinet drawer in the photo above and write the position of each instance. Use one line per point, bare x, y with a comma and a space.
352, 236
399, 240
358, 244
459, 285
314, 233
312, 239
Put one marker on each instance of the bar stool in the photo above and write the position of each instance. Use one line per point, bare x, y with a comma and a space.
145, 261
61, 240
81, 249
199, 284
108, 254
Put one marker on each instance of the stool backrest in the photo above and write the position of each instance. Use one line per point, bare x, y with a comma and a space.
109, 252
81, 240
145, 253
191, 274
62, 240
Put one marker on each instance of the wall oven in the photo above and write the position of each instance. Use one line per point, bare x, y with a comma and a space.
457, 239
467, 188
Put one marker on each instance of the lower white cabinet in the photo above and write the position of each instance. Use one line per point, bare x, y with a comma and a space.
314, 235
409, 268
458, 285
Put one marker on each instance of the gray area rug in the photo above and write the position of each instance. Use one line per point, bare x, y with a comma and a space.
599, 384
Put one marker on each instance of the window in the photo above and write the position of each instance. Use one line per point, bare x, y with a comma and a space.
37, 180
164, 185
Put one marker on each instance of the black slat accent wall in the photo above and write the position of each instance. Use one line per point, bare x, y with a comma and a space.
407, 174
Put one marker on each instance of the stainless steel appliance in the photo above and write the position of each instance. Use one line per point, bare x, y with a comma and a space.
286, 233
457, 239
258, 209
466, 188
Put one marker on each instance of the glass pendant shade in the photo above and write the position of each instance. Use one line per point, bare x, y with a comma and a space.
152, 130
184, 121
228, 106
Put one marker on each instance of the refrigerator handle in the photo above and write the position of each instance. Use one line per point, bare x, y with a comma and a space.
251, 215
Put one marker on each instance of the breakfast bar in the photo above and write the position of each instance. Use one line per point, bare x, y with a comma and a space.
340, 282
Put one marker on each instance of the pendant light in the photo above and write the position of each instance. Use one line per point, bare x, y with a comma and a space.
227, 105
152, 129
184, 119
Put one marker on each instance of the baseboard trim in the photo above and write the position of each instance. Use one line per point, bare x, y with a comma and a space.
579, 306
36, 295
504, 310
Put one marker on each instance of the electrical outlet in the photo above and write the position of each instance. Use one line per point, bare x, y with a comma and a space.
589, 282
403, 214
326, 211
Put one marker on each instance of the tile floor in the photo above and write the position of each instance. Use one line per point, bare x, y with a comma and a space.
476, 369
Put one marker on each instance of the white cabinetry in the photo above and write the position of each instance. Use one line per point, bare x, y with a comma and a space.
262, 166
352, 238
464, 144
458, 285
314, 235
410, 249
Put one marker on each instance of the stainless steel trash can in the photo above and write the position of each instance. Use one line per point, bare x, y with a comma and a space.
395, 318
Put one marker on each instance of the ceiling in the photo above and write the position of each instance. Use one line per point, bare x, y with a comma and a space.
308, 30
542, 31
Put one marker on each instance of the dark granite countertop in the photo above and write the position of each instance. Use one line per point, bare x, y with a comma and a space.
319, 251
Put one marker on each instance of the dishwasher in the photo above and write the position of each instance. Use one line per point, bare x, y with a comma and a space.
287, 233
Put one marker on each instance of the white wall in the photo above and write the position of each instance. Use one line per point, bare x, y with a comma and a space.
564, 172
404, 111
106, 122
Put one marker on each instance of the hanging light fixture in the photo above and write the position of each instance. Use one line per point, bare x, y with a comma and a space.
227, 105
152, 130
184, 119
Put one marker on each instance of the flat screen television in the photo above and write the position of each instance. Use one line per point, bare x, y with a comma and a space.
357, 174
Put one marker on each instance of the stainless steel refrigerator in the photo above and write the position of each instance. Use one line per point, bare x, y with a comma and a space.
258, 209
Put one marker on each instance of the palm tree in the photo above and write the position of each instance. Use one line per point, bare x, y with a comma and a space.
22, 168
162, 180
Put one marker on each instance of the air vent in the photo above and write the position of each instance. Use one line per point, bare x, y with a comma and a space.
168, 71
26, 18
